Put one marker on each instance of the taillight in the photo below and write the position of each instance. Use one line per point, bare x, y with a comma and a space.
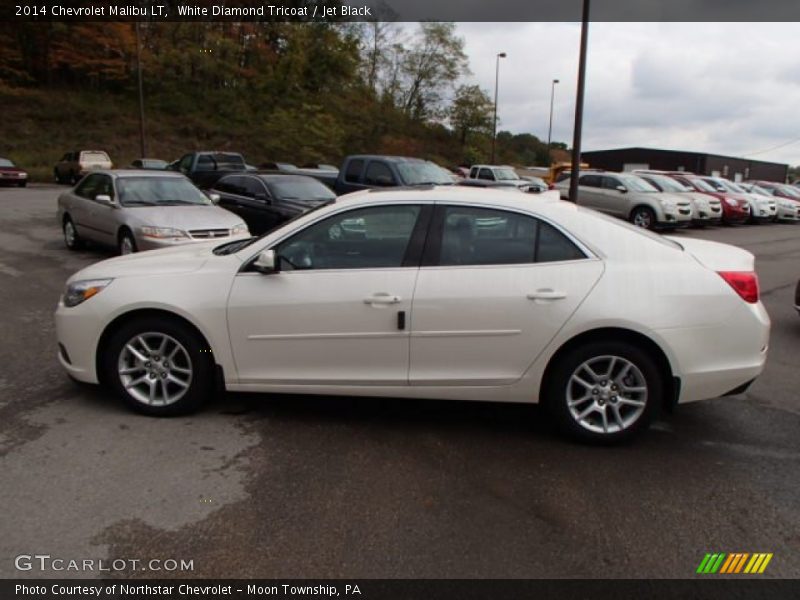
744, 282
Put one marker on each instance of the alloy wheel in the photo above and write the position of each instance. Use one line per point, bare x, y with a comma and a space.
642, 219
155, 369
606, 394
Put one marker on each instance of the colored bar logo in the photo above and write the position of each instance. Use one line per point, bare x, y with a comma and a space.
734, 563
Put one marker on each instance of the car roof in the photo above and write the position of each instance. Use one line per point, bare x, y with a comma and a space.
121, 173
456, 194
387, 157
271, 176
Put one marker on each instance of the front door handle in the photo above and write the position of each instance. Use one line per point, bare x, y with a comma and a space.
382, 298
547, 294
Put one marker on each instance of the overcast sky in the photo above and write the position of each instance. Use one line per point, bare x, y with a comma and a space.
727, 88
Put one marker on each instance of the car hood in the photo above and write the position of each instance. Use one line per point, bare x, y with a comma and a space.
717, 256
303, 205
679, 199
169, 261
701, 198
183, 217
12, 170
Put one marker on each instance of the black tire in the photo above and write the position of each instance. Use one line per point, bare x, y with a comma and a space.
561, 387
643, 216
74, 178
126, 243
71, 239
201, 363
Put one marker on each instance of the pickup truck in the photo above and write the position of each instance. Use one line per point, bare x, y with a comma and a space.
205, 168
504, 175
365, 171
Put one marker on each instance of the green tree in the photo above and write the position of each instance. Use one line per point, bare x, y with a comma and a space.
470, 112
429, 68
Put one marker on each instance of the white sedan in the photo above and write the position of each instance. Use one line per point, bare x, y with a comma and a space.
447, 293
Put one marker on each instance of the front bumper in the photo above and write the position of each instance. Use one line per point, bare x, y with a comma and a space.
78, 332
788, 213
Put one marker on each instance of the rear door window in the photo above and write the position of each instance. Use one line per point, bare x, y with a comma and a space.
482, 236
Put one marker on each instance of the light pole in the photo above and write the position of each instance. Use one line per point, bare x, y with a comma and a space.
550, 127
496, 81
142, 146
576, 134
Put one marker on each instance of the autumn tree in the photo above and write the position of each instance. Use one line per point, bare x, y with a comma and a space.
470, 112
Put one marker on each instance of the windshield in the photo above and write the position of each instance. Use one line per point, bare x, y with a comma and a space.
505, 174
637, 184
301, 190
158, 191
94, 156
420, 173
721, 185
667, 184
702, 185
757, 189
4, 162
736, 187
152, 163
790, 191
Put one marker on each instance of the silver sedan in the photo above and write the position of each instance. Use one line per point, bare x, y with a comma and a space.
139, 210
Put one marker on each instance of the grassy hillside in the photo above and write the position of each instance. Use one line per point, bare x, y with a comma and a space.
39, 126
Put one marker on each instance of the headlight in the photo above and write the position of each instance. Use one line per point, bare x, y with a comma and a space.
163, 232
240, 228
666, 203
730, 201
80, 291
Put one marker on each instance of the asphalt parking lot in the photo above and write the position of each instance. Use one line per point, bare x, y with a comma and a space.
266, 486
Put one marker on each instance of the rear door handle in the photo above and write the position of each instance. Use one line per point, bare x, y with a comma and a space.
382, 298
547, 294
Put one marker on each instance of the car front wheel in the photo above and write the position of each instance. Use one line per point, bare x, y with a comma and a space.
159, 366
643, 216
604, 392
126, 244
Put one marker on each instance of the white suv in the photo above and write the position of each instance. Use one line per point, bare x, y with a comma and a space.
631, 198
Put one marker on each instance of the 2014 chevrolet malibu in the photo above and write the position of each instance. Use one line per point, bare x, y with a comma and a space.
432, 293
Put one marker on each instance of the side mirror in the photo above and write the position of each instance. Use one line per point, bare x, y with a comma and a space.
266, 262
214, 198
384, 181
263, 198
104, 199
621, 188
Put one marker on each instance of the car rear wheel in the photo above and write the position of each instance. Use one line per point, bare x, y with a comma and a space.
159, 366
604, 392
71, 238
644, 217
126, 244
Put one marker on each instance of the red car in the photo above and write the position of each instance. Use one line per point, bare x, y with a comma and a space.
11, 174
735, 208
